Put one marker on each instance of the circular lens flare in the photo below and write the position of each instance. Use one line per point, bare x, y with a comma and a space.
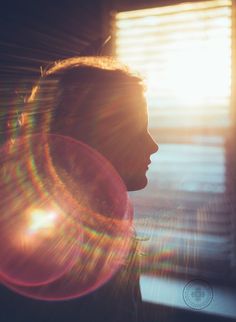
66, 222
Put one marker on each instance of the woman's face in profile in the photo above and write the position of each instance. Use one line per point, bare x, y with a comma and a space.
126, 140
118, 129
137, 144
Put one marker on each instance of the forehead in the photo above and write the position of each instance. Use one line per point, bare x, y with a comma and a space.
120, 103
123, 115
135, 107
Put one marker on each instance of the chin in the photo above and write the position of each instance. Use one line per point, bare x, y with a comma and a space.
136, 183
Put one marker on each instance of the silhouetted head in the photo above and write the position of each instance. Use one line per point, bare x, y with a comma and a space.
100, 102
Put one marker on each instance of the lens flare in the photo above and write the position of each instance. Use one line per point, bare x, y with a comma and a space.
41, 221
66, 222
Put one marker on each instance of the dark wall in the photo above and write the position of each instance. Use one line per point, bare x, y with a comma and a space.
33, 33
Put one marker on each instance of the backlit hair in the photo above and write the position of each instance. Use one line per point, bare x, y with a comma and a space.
78, 88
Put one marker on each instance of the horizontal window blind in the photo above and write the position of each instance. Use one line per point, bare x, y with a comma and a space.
184, 54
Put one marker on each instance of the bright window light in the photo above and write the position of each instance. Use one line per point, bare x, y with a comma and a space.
184, 53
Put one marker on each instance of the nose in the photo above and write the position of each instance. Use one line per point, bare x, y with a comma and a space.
153, 145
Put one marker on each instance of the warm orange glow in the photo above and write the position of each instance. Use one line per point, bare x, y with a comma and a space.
35, 227
41, 222
184, 53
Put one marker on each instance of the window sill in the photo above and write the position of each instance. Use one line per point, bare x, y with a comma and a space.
169, 292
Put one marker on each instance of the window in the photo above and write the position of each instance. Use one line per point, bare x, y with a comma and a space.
184, 51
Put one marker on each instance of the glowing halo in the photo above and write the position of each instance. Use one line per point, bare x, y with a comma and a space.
66, 218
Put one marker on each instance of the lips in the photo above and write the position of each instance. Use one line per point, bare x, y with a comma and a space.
148, 164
